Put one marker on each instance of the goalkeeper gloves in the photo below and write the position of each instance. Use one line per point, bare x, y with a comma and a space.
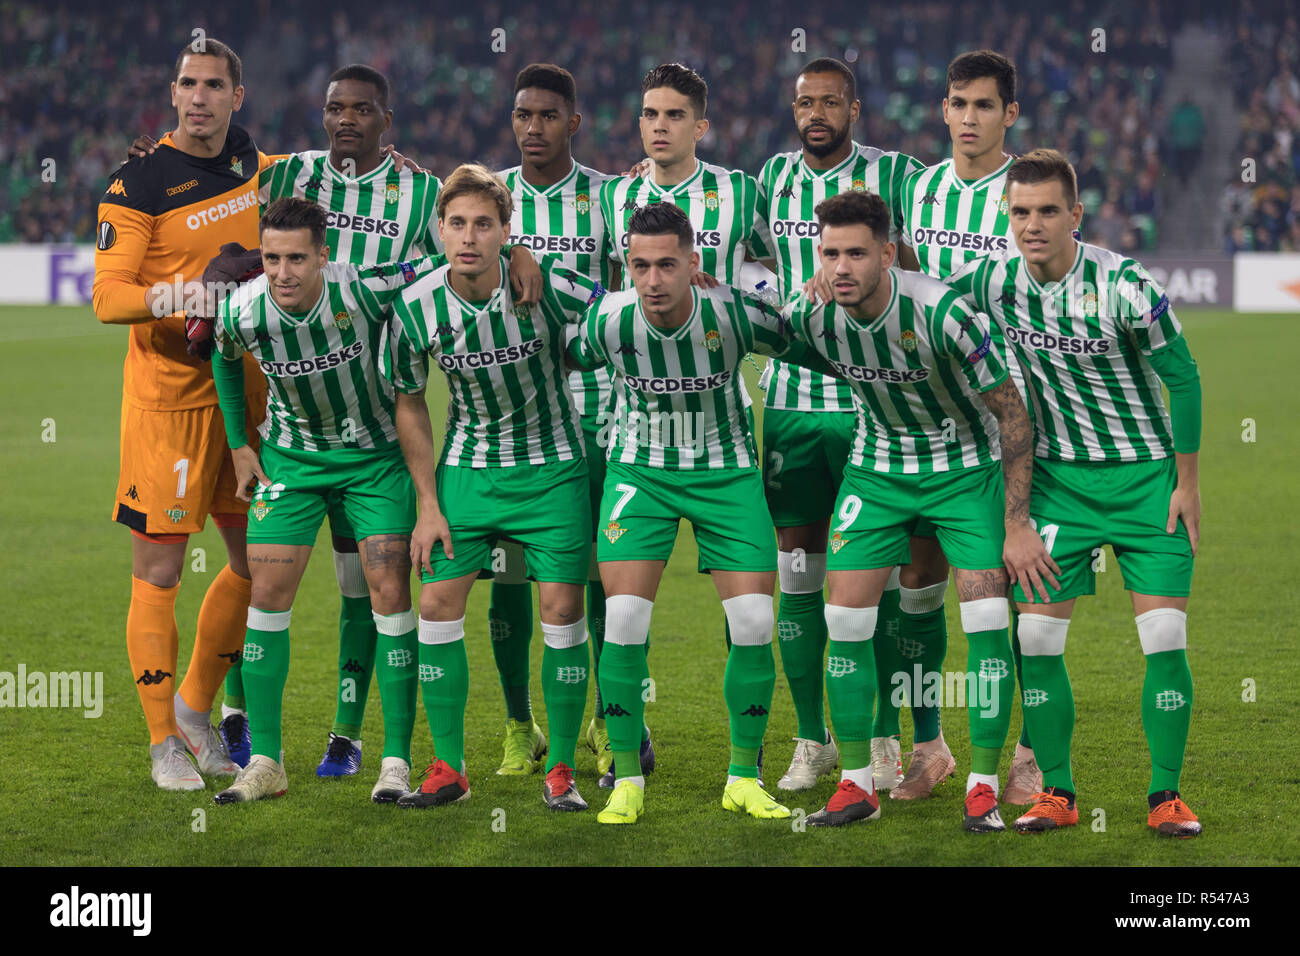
232, 265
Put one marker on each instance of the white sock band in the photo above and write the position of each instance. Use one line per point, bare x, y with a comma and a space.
508, 564
751, 619
1041, 636
986, 614
268, 620
800, 572
893, 583
561, 636
394, 625
627, 619
1164, 629
442, 632
850, 623
352, 580
921, 600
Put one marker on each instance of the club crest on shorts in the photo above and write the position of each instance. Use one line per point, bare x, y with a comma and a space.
908, 340
614, 532
712, 340
176, 514
391, 193
582, 203
711, 200
260, 509
838, 541
343, 320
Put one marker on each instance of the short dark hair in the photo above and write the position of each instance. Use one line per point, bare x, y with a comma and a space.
1042, 165
855, 208
364, 74
980, 63
828, 64
660, 219
548, 76
207, 46
684, 80
289, 213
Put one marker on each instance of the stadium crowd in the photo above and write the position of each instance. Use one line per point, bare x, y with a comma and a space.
450, 74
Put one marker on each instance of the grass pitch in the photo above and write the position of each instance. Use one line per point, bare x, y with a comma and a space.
76, 791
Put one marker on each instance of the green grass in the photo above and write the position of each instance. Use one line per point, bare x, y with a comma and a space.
77, 791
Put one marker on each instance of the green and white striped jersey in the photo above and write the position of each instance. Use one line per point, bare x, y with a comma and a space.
719, 202
565, 220
1084, 344
383, 216
322, 369
918, 369
948, 222
678, 395
504, 365
788, 192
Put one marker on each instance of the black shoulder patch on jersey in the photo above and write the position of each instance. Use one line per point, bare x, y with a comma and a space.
171, 179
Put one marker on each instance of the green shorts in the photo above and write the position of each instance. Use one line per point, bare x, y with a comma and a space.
878, 511
642, 507
1079, 506
371, 488
804, 454
543, 507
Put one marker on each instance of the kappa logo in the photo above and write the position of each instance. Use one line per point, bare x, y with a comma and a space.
498, 629
428, 672
828, 335
445, 328
569, 276
400, 657
629, 205
787, 191
233, 657
133, 494
115, 188
1033, 697
572, 674
840, 666
614, 532
614, 710
177, 190
314, 183
353, 666
837, 541
1007, 299
1169, 700
154, 677
253, 652
176, 514
627, 348
788, 630
929, 199
993, 668
755, 710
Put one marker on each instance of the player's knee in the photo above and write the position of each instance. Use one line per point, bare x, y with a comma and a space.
921, 600
1041, 636
985, 614
562, 636
751, 619
627, 619
435, 606
390, 595
848, 624
800, 572
1164, 629
351, 578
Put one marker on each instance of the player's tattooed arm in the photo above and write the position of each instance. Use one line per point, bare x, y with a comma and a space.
1024, 553
415, 435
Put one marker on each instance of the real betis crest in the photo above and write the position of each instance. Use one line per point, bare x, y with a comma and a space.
614, 532
1090, 305
712, 340
237, 166
908, 340
342, 320
711, 199
260, 509
860, 185
391, 193
838, 541
176, 514
582, 202
1002, 203
522, 311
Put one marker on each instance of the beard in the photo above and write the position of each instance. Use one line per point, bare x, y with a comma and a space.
834, 142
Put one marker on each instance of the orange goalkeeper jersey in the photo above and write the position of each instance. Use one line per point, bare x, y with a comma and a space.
165, 216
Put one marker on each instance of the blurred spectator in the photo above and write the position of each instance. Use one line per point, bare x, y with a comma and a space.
1186, 138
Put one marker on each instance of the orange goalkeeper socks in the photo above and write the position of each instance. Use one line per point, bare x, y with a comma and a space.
223, 620
151, 645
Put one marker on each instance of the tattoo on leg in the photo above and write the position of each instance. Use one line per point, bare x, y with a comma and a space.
388, 551
976, 585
